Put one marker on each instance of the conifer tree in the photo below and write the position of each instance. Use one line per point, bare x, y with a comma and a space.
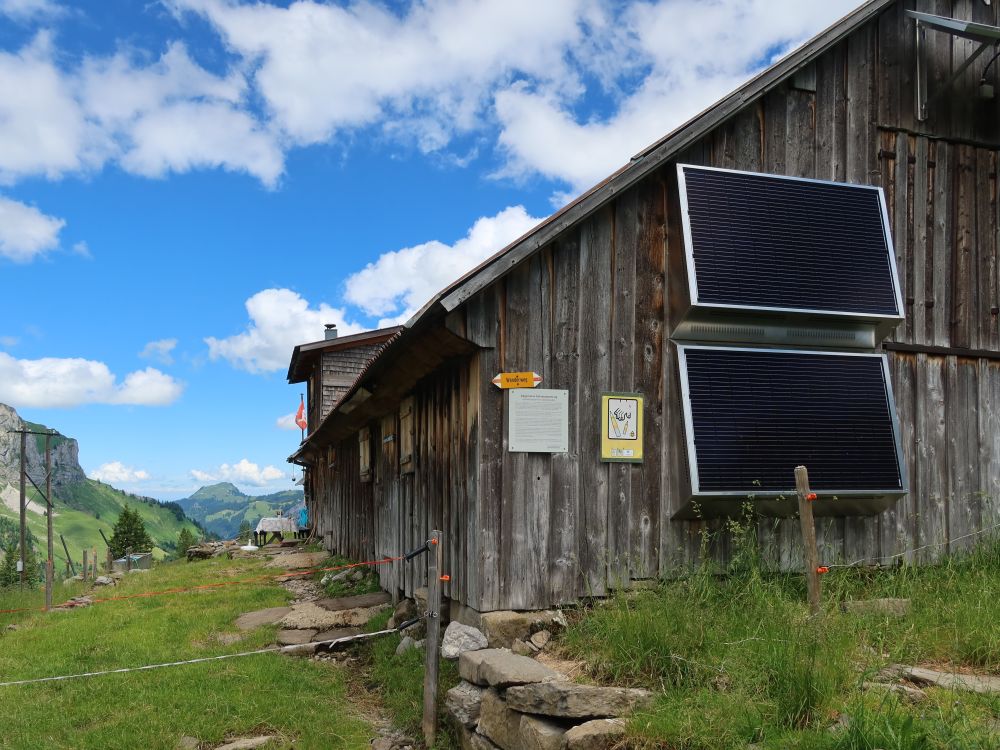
244, 532
8, 569
129, 532
185, 539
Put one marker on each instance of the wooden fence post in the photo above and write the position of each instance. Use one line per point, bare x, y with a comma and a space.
810, 554
432, 644
128, 559
86, 565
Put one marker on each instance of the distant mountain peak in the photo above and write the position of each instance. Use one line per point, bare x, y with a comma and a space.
218, 491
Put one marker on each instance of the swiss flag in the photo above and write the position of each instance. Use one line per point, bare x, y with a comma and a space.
300, 418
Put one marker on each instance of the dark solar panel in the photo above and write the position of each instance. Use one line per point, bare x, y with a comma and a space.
757, 415
765, 241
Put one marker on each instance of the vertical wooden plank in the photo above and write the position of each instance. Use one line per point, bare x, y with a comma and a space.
932, 465
984, 274
776, 136
990, 234
650, 322
890, 40
748, 127
965, 268
800, 127
963, 451
564, 513
989, 440
831, 114
862, 141
623, 302
942, 251
593, 377
917, 208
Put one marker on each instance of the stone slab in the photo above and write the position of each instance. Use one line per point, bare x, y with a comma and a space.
572, 701
975, 683
469, 739
269, 616
459, 638
504, 627
308, 615
540, 734
498, 667
498, 723
297, 560
600, 734
884, 607
247, 743
329, 635
463, 702
353, 602
295, 637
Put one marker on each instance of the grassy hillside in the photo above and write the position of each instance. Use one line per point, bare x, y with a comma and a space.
83, 509
221, 508
303, 701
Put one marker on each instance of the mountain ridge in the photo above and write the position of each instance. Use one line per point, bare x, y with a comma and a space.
220, 508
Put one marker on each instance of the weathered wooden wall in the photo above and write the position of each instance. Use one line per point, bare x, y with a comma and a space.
590, 312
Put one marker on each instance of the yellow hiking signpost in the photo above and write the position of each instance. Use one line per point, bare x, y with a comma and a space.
517, 380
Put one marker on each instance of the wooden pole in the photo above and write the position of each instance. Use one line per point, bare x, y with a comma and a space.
24, 532
50, 560
111, 561
810, 553
86, 564
432, 644
128, 559
69, 560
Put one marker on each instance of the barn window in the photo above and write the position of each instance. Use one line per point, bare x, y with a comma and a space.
407, 462
365, 454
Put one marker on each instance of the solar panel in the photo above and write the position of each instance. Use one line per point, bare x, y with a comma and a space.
753, 415
765, 242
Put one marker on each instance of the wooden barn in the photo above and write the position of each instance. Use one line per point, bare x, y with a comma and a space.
730, 321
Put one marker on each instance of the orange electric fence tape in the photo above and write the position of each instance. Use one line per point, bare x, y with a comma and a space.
221, 584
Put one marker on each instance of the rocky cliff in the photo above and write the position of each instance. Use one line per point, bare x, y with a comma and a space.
66, 467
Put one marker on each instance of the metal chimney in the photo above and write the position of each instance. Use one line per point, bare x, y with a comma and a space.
331, 331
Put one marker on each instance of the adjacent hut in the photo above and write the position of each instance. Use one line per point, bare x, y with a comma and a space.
653, 289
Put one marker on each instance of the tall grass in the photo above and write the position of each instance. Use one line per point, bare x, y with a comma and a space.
737, 659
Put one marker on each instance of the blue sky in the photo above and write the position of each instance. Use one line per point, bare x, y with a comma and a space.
190, 188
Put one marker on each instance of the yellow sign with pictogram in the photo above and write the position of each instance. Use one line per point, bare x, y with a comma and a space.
517, 380
621, 427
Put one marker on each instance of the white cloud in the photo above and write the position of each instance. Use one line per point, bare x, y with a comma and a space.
401, 281
116, 471
280, 319
244, 472
55, 382
25, 232
9, 341
323, 67
286, 422
695, 52
27, 10
159, 351
82, 249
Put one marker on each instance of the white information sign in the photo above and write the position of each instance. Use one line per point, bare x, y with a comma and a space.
538, 421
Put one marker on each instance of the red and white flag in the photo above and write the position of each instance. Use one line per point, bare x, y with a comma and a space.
300, 415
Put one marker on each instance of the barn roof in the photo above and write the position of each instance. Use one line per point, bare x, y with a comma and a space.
303, 354
638, 167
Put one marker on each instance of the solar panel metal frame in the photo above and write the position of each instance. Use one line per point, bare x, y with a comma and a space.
692, 453
892, 320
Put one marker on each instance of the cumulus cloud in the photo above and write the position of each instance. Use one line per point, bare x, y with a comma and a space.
401, 281
117, 472
159, 351
244, 472
25, 232
280, 319
66, 382
29, 10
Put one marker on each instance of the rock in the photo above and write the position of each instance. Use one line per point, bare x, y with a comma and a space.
117, 575
504, 627
569, 700
138, 570
600, 734
201, 552
541, 639
521, 648
472, 740
357, 574
405, 644
246, 743
188, 743
459, 638
912, 694
405, 610
334, 577
498, 723
499, 667
12, 627
268, 616
540, 734
297, 560
885, 607
463, 702
75, 603
104, 581
974, 683
295, 637
300, 649
353, 602
310, 615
